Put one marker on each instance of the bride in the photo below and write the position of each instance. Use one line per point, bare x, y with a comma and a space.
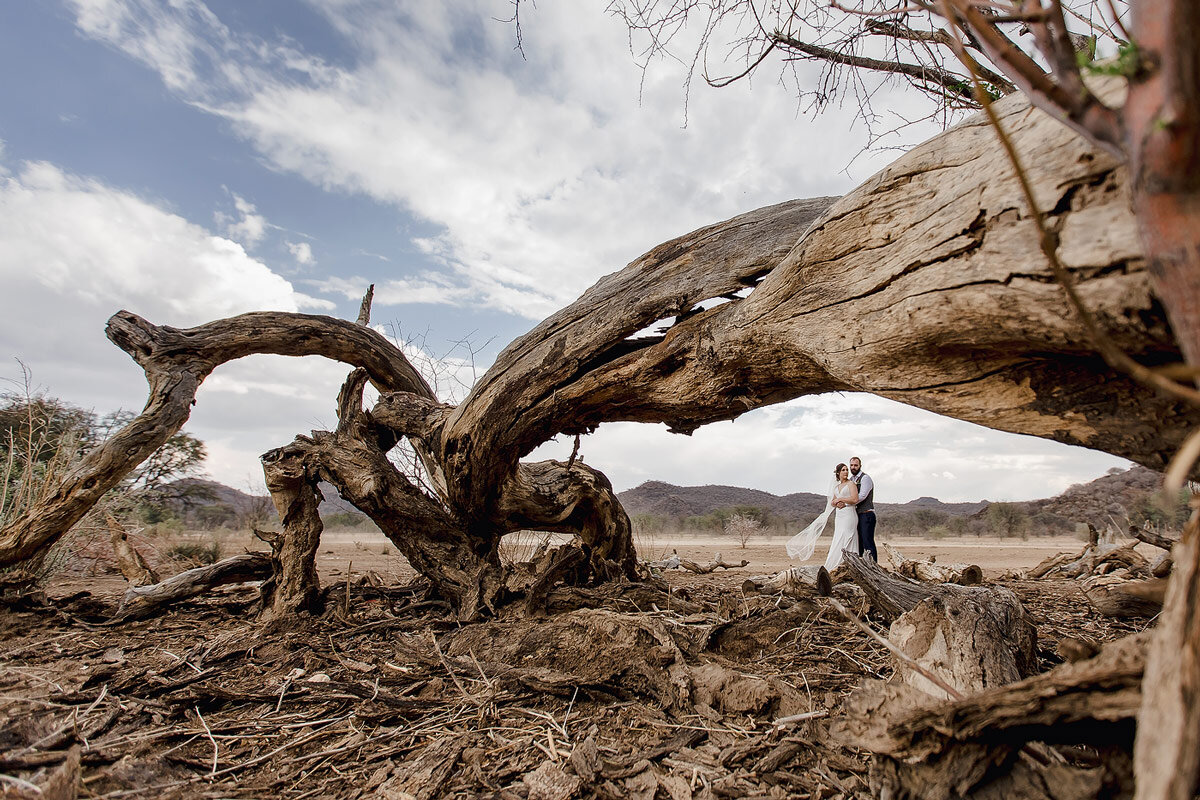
843, 495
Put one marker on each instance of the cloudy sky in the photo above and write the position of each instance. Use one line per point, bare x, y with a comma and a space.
191, 160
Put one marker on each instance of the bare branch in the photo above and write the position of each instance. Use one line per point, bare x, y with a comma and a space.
1082, 112
952, 83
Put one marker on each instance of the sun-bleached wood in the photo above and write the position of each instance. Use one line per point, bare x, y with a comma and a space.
924, 285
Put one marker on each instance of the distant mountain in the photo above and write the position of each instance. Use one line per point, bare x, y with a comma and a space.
667, 500
1107, 500
1114, 496
201, 493
201, 499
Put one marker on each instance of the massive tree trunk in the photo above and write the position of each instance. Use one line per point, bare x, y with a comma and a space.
924, 285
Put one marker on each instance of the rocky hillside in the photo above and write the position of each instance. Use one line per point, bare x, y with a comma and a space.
1116, 499
207, 503
656, 498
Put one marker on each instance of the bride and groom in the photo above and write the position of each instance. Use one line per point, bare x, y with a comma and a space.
852, 506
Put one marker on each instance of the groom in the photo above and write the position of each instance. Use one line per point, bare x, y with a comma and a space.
865, 508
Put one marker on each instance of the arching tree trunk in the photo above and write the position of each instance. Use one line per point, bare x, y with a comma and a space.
925, 285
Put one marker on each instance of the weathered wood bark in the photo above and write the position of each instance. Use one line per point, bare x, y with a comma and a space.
1167, 751
962, 574
1152, 538
972, 641
958, 315
1120, 597
129, 560
144, 601
970, 747
294, 585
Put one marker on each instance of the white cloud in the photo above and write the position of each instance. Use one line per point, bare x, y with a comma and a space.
76, 251
429, 287
302, 252
87, 244
543, 174
248, 226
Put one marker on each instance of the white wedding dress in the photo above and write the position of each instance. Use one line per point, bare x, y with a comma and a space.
845, 530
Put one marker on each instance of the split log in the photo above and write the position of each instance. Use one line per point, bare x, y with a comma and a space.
799, 581
893, 595
1161, 567
970, 640
972, 747
1048, 564
962, 574
970, 637
141, 602
1113, 596
673, 561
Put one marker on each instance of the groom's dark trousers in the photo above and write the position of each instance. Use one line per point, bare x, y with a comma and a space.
866, 535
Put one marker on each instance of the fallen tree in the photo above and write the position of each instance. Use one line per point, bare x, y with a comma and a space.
934, 256
963, 574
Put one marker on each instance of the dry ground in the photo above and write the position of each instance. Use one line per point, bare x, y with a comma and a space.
384, 696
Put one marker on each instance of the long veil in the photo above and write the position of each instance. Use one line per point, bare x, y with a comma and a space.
801, 545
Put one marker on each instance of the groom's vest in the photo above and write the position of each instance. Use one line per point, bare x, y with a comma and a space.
867, 503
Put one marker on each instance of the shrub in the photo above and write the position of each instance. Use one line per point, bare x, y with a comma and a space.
197, 552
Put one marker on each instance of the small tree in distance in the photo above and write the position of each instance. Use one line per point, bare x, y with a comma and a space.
742, 528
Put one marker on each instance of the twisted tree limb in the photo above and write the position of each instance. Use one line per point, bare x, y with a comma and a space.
931, 259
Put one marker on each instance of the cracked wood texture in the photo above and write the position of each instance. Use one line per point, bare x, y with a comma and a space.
924, 285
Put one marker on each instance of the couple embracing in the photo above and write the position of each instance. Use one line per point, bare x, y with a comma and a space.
852, 505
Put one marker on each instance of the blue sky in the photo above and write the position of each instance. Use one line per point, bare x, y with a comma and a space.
189, 161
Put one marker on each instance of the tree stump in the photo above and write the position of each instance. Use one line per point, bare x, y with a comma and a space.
979, 746
971, 640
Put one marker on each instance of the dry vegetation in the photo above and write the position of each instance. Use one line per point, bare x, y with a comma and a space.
714, 693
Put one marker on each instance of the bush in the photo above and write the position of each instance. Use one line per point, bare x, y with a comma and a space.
197, 552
